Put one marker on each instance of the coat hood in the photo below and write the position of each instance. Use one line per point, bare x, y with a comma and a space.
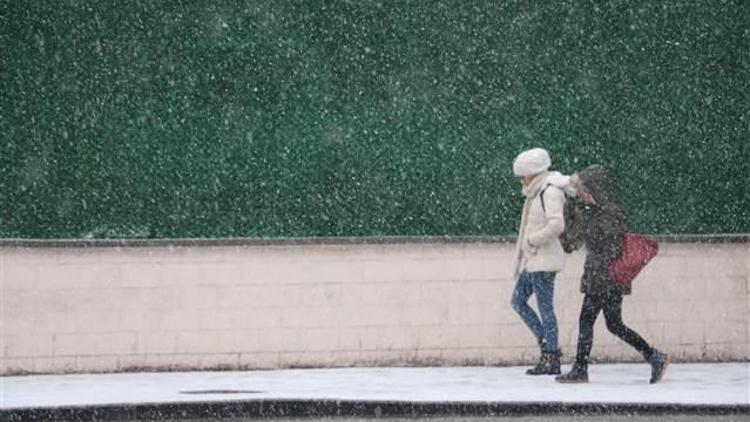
597, 182
561, 181
554, 178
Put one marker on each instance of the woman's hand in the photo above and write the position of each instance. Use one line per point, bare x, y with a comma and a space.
529, 249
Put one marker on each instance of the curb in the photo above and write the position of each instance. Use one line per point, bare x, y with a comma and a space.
272, 408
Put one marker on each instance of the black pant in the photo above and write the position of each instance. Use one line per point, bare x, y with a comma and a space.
611, 304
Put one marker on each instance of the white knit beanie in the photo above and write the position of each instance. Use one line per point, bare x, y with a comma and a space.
531, 162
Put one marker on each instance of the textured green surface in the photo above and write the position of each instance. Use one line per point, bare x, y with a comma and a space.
332, 118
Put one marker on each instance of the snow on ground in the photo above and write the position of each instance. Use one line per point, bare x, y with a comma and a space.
705, 383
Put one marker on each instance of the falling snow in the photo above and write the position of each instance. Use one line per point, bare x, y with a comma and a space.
214, 119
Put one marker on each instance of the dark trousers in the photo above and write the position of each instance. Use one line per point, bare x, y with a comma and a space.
611, 305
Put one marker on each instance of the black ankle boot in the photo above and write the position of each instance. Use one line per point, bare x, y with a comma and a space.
578, 374
540, 368
659, 362
549, 364
554, 362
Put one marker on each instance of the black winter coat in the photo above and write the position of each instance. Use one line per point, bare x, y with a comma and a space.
603, 232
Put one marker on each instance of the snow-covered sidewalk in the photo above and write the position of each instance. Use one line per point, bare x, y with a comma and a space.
726, 383
684, 384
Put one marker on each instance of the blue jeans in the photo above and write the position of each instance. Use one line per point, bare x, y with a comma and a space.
541, 284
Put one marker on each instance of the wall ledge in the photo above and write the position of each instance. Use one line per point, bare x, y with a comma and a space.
294, 241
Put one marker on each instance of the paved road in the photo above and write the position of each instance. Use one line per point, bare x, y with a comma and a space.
579, 418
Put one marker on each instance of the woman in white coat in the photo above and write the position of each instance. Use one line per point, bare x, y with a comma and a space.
539, 256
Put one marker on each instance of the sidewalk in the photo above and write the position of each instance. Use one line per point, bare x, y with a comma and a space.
702, 388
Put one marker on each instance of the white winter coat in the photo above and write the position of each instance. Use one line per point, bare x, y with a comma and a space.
538, 246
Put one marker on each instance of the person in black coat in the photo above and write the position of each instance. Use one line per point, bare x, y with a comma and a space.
603, 232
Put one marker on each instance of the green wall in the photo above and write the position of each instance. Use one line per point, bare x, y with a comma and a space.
359, 118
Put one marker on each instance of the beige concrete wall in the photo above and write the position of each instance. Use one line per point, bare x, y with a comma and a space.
123, 308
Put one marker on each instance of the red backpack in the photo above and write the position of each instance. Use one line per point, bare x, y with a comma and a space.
637, 251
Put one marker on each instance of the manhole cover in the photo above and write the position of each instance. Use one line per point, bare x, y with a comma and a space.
221, 392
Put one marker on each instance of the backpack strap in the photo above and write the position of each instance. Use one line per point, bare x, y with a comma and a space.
541, 198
